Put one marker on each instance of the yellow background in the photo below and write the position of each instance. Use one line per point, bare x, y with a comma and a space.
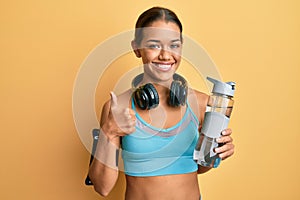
43, 43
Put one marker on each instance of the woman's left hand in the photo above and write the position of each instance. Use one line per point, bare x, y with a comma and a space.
227, 148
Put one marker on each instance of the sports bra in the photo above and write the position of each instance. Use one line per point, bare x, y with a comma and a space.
150, 151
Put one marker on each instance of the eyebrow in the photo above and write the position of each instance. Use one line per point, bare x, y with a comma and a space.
176, 40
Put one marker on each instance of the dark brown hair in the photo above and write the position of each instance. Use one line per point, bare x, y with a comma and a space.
151, 15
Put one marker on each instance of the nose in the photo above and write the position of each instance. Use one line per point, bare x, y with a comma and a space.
164, 54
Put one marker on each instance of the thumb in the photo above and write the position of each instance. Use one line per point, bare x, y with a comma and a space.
113, 100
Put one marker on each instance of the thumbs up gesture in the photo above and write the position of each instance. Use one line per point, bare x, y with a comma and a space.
120, 120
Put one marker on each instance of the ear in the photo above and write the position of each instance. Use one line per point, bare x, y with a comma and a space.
135, 49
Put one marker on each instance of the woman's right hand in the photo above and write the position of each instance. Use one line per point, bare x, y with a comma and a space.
120, 120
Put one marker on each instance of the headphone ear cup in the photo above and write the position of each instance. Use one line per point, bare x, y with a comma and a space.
174, 93
146, 97
183, 94
178, 94
152, 95
141, 99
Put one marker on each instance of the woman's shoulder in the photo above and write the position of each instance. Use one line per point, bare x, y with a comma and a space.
197, 101
198, 95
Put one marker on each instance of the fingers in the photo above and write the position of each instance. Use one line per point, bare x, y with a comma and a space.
126, 114
122, 119
226, 148
129, 117
113, 100
224, 139
227, 131
129, 113
225, 151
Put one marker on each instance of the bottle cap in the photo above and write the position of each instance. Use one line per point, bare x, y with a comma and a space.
223, 88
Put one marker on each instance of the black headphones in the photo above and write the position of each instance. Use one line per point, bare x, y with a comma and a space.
146, 96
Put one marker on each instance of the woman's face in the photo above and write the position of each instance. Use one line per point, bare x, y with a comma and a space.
160, 50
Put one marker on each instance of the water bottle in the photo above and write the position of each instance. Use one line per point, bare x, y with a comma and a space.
216, 119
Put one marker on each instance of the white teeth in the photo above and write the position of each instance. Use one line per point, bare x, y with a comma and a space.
162, 66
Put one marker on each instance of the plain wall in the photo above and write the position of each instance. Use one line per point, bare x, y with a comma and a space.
43, 43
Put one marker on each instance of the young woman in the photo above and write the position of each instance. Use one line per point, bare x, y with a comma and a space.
157, 123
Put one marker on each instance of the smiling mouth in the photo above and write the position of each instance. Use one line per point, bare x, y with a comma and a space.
163, 67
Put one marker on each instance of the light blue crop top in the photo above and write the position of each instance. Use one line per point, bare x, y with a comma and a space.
150, 151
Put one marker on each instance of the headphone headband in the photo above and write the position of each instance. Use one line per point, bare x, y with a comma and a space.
137, 80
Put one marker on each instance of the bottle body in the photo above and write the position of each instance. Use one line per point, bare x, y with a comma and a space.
216, 119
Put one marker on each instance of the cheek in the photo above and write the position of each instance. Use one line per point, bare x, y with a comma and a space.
148, 56
177, 58
177, 54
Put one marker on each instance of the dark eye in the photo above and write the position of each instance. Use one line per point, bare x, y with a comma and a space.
174, 46
153, 46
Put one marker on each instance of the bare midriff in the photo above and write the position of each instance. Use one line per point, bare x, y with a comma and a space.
169, 187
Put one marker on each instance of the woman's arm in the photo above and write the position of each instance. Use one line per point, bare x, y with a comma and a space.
116, 121
103, 171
